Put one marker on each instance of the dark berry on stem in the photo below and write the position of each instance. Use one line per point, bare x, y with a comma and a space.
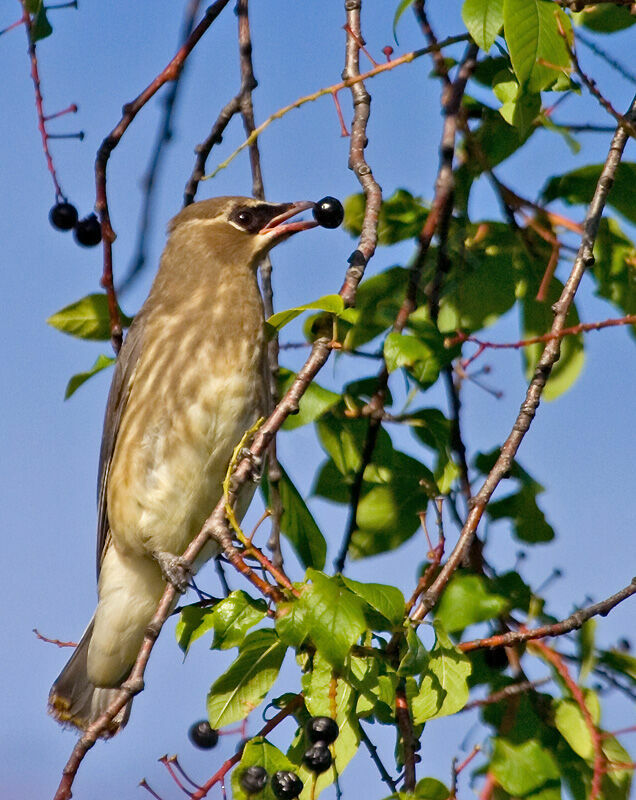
328, 212
202, 735
88, 231
63, 216
286, 785
495, 657
253, 779
322, 729
318, 758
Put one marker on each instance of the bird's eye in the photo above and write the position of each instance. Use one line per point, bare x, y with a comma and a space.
245, 218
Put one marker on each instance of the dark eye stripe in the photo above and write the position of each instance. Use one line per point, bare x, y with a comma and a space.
258, 216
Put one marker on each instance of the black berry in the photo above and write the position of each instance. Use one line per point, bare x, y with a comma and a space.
286, 785
63, 216
253, 779
88, 231
317, 758
328, 212
322, 729
202, 735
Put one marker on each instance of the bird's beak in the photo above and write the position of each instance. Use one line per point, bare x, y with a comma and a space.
278, 226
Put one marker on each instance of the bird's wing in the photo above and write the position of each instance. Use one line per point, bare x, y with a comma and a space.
117, 400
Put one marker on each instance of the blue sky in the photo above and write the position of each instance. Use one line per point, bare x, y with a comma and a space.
580, 447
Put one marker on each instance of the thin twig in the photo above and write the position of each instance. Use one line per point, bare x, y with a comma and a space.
130, 111
508, 691
373, 752
550, 355
571, 623
163, 137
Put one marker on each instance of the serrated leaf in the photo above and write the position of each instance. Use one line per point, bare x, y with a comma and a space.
87, 318
484, 20
234, 616
298, 524
259, 751
332, 303
102, 362
534, 41
193, 622
466, 601
522, 768
335, 617
386, 600
240, 689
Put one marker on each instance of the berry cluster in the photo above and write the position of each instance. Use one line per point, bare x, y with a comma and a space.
321, 732
285, 785
87, 231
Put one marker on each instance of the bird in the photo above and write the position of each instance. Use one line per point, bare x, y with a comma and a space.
190, 380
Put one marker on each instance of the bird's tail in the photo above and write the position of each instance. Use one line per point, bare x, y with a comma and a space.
74, 700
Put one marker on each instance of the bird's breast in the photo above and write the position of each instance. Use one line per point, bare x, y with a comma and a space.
196, 391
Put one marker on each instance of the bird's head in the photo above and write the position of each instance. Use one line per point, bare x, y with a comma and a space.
239, 229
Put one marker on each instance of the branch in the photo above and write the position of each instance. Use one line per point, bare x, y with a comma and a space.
508, 691
583, 327
331, 90
571, 623
550, 355
130, 111
373, 752
163, 136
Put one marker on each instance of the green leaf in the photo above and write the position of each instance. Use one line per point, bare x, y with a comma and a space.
614, 269
386, 600
378, 301
534, 41
292, 622
616, 782
414, 658
623, 663
79, 378
529, 522
87, 318
193, 622
343, 440
335, 617
259, 751
332, 303
298, 524
537, 320
571, 724
466, 601
240, 689
33, 6
522, 768
587, 655
403, 5
444, 686
40, 25
327, 694
577, 187
401, 217
313, 404
234, 616
495, 140
431, 789
606, 18
484, 19
423, 356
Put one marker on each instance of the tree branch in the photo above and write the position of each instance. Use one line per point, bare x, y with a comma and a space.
550, 355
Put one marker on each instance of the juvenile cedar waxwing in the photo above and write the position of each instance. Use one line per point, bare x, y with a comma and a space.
189, 381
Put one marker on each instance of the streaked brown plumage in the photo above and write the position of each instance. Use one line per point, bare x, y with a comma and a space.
189, 381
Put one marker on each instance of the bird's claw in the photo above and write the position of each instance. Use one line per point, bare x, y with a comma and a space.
175, 570
256, 463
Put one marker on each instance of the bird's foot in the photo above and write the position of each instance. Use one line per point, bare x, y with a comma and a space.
174, 570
